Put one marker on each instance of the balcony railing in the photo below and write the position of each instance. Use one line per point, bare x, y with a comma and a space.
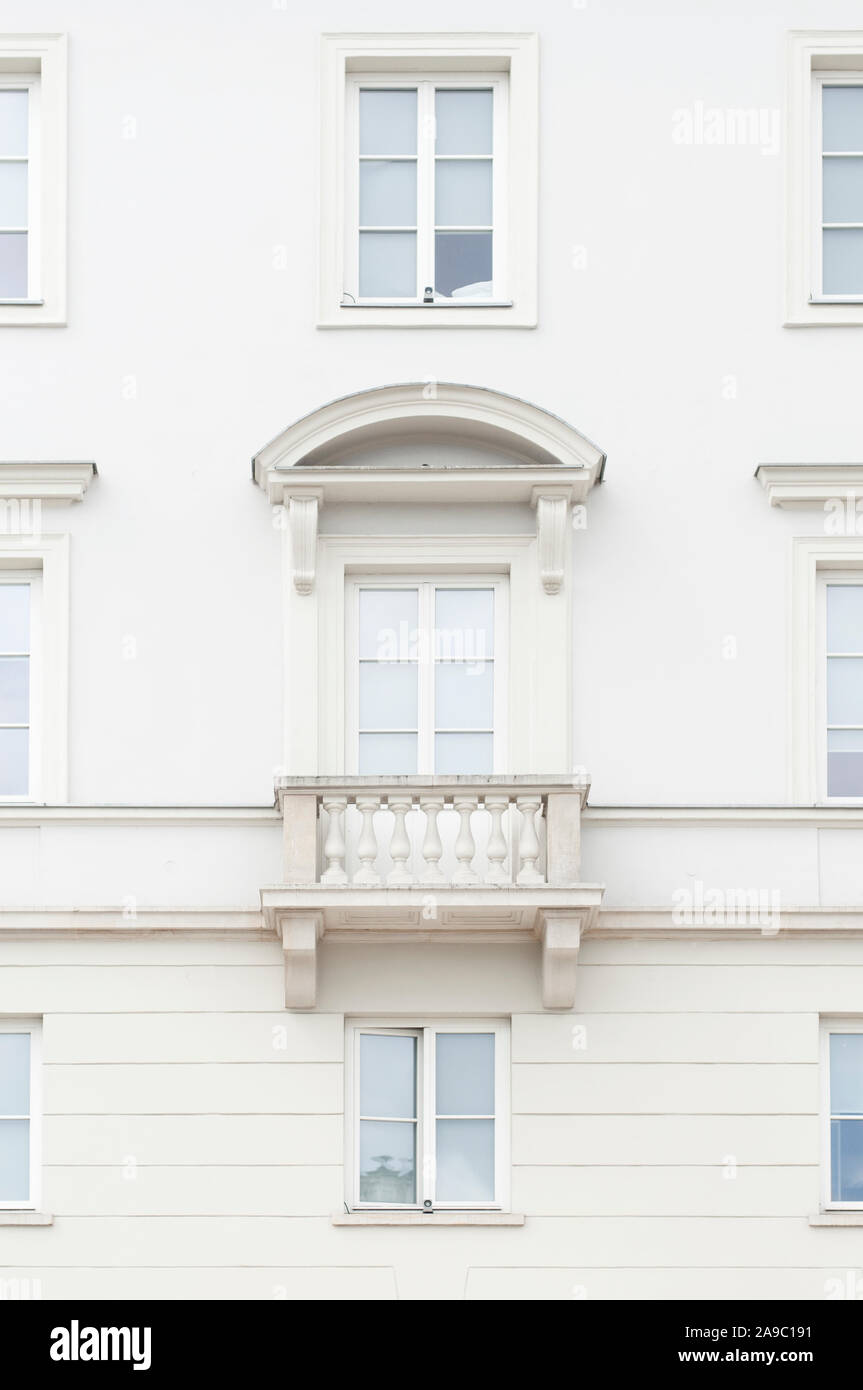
457, 832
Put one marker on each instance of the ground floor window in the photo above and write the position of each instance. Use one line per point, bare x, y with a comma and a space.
842, 1056
19, 1114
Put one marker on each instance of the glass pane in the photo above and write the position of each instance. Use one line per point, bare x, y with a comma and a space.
845, 762
14, 762
388, 265
464, 624
463, 264
843, 260
388, 1068
464, 695
388, 696
14, 1160
845, 618
463, 122
843, 190
846, 1160
388, 753
464, 1171
464, 753
13, 122
13, 265
388, 624
14, 689
463, 193
14, 1073
387, 1161
842, 118
388, 121
14, 617
845, 690
464, 1074
13, 195
388, 193
846, 1073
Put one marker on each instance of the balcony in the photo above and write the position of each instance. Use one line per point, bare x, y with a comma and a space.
450, 859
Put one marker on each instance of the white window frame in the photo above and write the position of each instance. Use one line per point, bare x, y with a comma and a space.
815, 58
44, 560
426, 88
423, 1030
828, 1027
814, 559
426, 584
34, 1028
507, 61
36, 638
820, 80
38, 62
826, 578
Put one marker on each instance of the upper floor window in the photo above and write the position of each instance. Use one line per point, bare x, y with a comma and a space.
426, 675
425, 194
428, 1116
842, 736
20, 684
19, 1114
838, 187
32, 179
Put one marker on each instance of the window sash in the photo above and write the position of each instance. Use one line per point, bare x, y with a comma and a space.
29, 82
827, 579
830, 1027
32, 578
34, 1118
426, 664
426, 1034
820, 80
426, 158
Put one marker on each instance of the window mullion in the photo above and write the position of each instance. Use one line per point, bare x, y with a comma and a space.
428, 1118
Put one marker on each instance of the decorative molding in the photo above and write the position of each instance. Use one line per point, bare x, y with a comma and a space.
44, 481
552, 518
17, 814
426, 412
812, 485
303, 519
300, 932
427, 1218
560, 934
735, 817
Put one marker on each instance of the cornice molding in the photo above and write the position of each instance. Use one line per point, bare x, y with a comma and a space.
44, 481
810, 485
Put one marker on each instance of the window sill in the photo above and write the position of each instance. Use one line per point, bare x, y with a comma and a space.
433, 1218
837, 1218
26, 1218
500, 314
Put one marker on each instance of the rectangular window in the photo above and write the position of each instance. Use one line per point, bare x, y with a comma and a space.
19, 185
842, 701
19, 1114
425, 191
426, 673
430, 1116
838, 186
842, 1059
19, 685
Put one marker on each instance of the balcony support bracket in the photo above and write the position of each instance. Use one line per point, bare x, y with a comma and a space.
300, 933
560, 934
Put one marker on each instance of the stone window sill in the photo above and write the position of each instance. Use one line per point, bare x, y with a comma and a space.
434, 1218
837, 1218
26, 1218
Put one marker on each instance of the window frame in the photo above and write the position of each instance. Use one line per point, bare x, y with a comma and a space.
426, 86
31, 83
829, 1026
424, 1029
36, 682
825, 579
427, 583
38, 61
822, 78
34, 1028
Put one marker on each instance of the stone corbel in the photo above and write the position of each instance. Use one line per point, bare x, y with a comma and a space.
303, 521
301, 932
560, 934
552, 518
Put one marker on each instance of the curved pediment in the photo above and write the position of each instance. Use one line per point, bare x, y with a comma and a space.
509, 433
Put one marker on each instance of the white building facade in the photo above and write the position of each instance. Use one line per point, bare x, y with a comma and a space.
431, 858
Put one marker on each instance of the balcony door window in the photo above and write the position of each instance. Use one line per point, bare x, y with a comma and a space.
426, 676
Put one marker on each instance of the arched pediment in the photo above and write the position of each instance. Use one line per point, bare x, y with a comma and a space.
512, 433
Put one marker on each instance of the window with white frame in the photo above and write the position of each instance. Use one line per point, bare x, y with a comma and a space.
426, 190
842, 685
429, 1117
20, 683
426, 675
32, 179
19, 1114
842, 1076
837, 242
